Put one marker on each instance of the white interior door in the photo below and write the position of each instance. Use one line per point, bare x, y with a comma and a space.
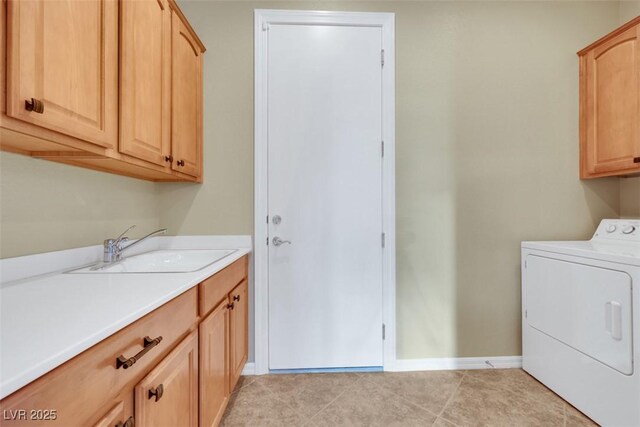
325, 196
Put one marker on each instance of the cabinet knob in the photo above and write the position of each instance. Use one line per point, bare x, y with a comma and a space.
230, 306
180, 162
236, 297
168, 159
34, 105
636, 160
128, 423
156, 392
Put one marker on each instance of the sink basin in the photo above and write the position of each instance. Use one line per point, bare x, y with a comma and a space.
163, 261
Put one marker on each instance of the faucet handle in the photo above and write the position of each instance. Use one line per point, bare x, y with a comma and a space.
122, 237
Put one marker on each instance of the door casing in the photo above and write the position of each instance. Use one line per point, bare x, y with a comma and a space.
386, 21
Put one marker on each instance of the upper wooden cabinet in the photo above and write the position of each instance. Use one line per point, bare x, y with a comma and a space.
186, 77
116, 86
64, 56
145, 81
610, 104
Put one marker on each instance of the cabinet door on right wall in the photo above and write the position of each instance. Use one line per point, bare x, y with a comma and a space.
186, 102
610, 101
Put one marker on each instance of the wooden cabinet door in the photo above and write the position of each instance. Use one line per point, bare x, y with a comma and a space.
214, 365
64, 54
145, 80
238, 332
610, 104
186, 100
120, 415
168, 395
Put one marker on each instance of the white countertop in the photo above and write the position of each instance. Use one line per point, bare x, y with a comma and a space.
48, 319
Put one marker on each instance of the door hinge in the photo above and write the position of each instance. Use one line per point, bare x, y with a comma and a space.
384, 332
267, 240
382, 57
526, 314
265, 26
383, 239
267, 219
382, 148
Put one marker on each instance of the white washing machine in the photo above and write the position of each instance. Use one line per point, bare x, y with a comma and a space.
581, 320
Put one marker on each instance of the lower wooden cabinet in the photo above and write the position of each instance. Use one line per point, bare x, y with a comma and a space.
168, 395
121, 415
239, 323
214, 365
187, 362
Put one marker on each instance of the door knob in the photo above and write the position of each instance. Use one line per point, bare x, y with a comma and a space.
278, 241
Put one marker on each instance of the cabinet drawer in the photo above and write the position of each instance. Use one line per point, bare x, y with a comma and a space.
81, 386
215, 288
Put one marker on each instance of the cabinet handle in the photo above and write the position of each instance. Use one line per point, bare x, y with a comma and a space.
149, 343
236, 297
180, 162
230, 306
34, 105
636, 160
128, 423
168, 159
157, 392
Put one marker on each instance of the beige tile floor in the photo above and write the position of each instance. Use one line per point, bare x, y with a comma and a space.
505, 397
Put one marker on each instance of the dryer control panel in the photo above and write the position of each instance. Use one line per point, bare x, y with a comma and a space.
622, 230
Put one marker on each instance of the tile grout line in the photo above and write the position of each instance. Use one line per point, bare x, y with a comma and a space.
336, 398
504, 387
274, 396
464, 375
404, 399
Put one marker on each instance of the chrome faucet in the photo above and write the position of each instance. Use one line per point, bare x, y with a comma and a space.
113, 248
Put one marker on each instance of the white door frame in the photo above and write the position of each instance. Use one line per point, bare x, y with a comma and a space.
386, 21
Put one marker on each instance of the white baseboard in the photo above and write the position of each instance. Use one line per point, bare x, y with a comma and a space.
249, 369
435, 364
498, 362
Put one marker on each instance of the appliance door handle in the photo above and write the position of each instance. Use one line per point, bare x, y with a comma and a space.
613, 319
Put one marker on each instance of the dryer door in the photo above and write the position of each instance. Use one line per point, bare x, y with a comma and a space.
586, 307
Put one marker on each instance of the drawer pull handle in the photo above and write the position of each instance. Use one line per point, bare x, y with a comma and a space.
128, 423
236, 297
636, 160
156, 392
34, 105
149, 343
